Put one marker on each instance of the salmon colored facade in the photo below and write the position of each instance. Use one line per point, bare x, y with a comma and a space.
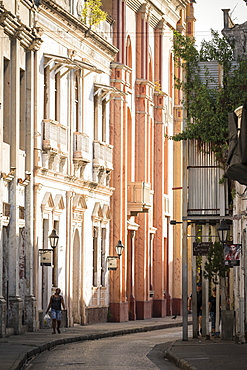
142, 178
186, 25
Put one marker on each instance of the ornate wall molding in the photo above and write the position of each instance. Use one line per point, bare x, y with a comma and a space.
13, 27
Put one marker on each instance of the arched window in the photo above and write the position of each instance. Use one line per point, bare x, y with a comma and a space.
129, 60
150, 67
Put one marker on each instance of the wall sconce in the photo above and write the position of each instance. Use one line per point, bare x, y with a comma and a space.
10, 175
26, 180
53, 237
119, 248
112, 260
223, 231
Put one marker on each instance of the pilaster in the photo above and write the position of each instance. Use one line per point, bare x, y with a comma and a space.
30, 301
118, 132
160, 260
30, 310
2, 317
15, 302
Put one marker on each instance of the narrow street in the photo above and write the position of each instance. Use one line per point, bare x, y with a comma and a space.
135, 351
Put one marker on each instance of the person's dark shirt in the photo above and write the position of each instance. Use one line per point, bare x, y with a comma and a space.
199, 300
212, 300
56, 302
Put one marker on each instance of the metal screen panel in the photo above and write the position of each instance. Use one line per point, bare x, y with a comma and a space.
203, 181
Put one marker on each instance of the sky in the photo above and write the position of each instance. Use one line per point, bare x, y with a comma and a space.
209, 15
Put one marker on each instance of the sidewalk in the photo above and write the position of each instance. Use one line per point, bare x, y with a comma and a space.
201, 354
17, 349
213, 354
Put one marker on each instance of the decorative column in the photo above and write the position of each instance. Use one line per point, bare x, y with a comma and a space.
118, 138
2, 300
160, 261
30, 300
143, 138
15, 301
131, 272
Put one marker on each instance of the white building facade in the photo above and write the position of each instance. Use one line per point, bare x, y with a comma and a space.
57, 162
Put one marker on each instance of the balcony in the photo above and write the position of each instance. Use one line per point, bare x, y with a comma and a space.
144, 89
102, 155
139, 198
81, 147
54, 136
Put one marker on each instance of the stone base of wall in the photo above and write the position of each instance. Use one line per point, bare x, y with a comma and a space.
118, 312
176, 306
30, 306
15, 314
96, 315
144, 310
2, 317
159, 307
168, 305
132, 312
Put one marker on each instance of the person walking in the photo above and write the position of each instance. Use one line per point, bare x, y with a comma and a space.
199, 307
212, 311
56, 303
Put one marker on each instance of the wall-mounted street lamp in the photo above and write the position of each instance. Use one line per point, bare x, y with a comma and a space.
112, 260
119, 248
53, 237
223, 231
47, 254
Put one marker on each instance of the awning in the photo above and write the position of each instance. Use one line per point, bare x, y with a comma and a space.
107, 92
68, 63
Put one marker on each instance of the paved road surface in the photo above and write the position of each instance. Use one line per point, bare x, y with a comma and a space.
135, 351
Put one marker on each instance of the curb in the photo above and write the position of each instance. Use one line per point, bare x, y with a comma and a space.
25, 357
179, 362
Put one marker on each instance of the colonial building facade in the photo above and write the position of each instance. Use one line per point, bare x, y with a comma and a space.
56, 163
84, 115
142, 205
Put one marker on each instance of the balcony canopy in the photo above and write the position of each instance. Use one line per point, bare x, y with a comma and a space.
61, 62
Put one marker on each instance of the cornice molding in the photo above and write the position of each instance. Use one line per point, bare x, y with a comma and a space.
13, 27
76, 24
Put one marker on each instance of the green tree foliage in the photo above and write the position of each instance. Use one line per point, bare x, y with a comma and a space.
92, 14
215, 265
207, 108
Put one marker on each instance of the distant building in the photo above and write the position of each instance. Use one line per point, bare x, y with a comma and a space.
148, 274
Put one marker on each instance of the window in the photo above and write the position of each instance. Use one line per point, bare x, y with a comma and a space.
76, 102
95, 255
6, 102
55, 259
57, 97
103, 257
46, 92
22, 132
104, 120
96, 116
100, 116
